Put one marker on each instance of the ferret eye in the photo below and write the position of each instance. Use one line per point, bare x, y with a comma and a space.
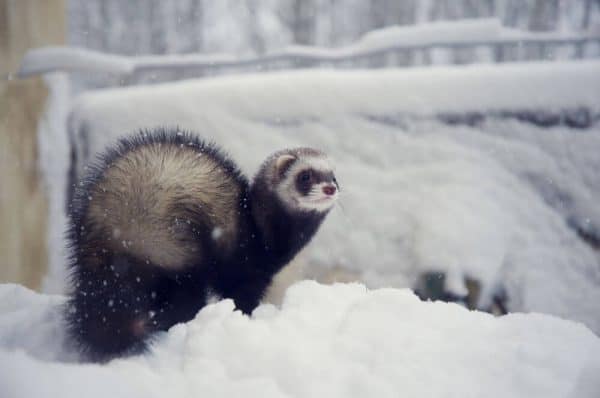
305, 176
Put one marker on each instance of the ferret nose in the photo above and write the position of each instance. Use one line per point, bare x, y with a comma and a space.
329, 190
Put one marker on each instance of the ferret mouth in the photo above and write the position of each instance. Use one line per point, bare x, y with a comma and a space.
323, 199
320, 203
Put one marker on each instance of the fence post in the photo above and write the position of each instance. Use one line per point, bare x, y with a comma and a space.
24, 202
498, 52
579, 49
426, 55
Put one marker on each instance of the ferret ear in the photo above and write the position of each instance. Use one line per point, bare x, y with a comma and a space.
283, 163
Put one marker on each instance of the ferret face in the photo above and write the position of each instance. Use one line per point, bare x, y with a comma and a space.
306, 181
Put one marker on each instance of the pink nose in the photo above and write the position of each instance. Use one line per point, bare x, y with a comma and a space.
329, 190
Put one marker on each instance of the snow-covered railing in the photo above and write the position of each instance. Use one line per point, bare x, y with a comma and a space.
398, 46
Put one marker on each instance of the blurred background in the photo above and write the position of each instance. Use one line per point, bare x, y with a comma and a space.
53, 117
260, 26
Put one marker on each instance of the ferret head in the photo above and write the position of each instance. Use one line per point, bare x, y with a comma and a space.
302, 179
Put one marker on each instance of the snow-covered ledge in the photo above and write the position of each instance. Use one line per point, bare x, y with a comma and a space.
325, 341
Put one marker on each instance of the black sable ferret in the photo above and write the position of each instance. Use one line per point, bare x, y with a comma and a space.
165, 220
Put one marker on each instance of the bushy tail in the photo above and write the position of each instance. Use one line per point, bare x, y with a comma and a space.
115, 308
110, 312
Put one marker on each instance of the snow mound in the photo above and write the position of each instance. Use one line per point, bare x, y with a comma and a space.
334, 341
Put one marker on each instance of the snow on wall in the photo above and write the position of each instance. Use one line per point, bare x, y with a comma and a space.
497, 202
54, 159
334, 341
318, 94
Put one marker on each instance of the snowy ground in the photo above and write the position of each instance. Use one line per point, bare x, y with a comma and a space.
325, 341
499, 202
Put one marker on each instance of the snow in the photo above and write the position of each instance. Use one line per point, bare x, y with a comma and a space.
342, 340
481, 31
53, 153
379, 93
57, 58
435, 34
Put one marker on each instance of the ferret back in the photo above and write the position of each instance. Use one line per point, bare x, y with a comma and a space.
154, 196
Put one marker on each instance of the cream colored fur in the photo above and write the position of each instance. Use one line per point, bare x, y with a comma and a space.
133, 200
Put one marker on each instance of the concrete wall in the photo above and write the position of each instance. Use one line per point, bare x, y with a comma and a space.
24, 24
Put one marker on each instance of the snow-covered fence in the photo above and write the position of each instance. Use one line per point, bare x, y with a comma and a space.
132, 69
459, 42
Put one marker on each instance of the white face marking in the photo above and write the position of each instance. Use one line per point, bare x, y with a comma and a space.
316, 199
320, 164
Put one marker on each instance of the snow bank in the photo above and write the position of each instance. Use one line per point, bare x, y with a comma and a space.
334, 341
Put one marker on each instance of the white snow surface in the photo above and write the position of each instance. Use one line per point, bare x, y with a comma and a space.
61, 58
495, 203
342, 340
53, 155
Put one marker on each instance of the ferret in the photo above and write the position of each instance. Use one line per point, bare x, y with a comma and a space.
164, 220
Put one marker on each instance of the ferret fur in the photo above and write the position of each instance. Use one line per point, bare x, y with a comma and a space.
164, 220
